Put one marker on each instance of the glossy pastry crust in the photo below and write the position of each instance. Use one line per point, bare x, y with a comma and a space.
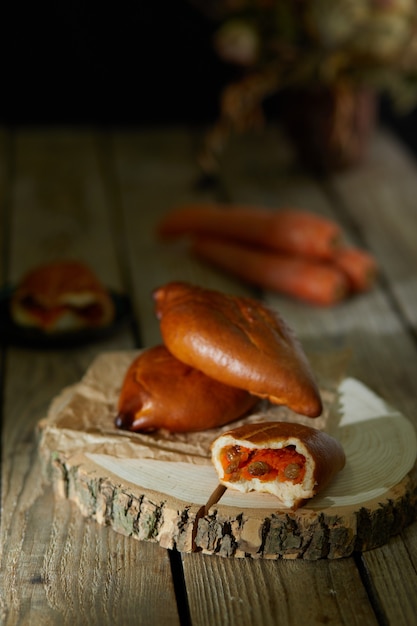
159, 391
319, 458
61, 296
239, 342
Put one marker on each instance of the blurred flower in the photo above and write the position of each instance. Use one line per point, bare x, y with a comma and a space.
236, 41
378, 30
293, 44
313, 40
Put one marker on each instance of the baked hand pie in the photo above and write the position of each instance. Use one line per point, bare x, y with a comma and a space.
288, 460
61, 296
158, 391
239, 342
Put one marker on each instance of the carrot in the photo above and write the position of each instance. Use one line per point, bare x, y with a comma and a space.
314, 281
359, 266
289, 230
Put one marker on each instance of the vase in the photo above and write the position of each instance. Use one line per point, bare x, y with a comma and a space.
330, 126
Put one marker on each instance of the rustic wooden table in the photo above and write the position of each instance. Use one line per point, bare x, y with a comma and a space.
96, 196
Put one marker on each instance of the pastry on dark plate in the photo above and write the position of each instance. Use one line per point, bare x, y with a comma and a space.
61, 296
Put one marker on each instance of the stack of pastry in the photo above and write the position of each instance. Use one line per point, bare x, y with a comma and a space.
220, 355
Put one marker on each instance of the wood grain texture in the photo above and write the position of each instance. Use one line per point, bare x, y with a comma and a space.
265, 592
56, 568
98, 197
61, 570
144, 485
384, 214
141, 514
394, 562
328, 534
261, 170
156, 170
369, 325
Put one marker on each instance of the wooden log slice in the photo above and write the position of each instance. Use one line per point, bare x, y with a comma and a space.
163, 488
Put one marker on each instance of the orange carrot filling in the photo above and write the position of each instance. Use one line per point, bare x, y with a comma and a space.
283, 464
46, 315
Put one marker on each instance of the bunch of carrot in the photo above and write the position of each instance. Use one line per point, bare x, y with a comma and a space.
289, 251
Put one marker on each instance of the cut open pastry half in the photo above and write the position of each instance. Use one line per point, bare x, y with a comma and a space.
288, 460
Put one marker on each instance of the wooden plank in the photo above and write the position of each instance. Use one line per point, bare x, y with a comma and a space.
381, 202
156, 487
368, 326
261, 170
208, 592
59, 204
156, 170
356, 325
247, 592
61, 570
59, 209
388, 568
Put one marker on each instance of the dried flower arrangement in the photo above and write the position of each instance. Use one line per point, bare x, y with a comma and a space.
289, 45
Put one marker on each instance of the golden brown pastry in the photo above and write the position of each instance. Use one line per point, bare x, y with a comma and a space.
159, 391
61, 296
291, 461
239, 342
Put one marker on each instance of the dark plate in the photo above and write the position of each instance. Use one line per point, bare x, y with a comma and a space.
13, 334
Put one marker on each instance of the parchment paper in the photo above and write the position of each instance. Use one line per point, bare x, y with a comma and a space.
82, 416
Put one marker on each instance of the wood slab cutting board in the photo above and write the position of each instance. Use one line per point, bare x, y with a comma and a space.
162, 487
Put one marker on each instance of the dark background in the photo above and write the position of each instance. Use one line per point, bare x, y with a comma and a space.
133, 63
138, 63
